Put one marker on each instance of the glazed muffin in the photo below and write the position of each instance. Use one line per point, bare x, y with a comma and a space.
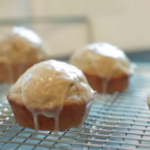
105, 66
19, 50
51, 95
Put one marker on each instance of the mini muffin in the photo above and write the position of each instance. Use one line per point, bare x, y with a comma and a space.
51, 95
106, 67
19, 50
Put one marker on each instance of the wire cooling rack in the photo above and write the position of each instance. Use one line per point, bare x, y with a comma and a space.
116, 122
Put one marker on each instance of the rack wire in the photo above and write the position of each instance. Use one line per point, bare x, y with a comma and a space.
116, 122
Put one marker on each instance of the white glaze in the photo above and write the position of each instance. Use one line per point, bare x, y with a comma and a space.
27, 34
41, 84
88, 107
53, 114
33, 39
35, 119
104, 60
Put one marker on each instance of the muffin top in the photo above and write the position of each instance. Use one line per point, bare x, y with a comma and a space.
22, 45
102, 59
50, 84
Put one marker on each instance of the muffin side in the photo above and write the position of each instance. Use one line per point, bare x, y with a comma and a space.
103, 85
72, 115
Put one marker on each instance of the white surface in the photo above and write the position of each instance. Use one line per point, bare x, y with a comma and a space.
122, 23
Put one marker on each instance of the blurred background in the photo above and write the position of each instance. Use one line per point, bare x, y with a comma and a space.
66, 25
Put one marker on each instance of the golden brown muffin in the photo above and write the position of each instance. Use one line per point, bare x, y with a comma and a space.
19, 50
106, 67
51, 95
